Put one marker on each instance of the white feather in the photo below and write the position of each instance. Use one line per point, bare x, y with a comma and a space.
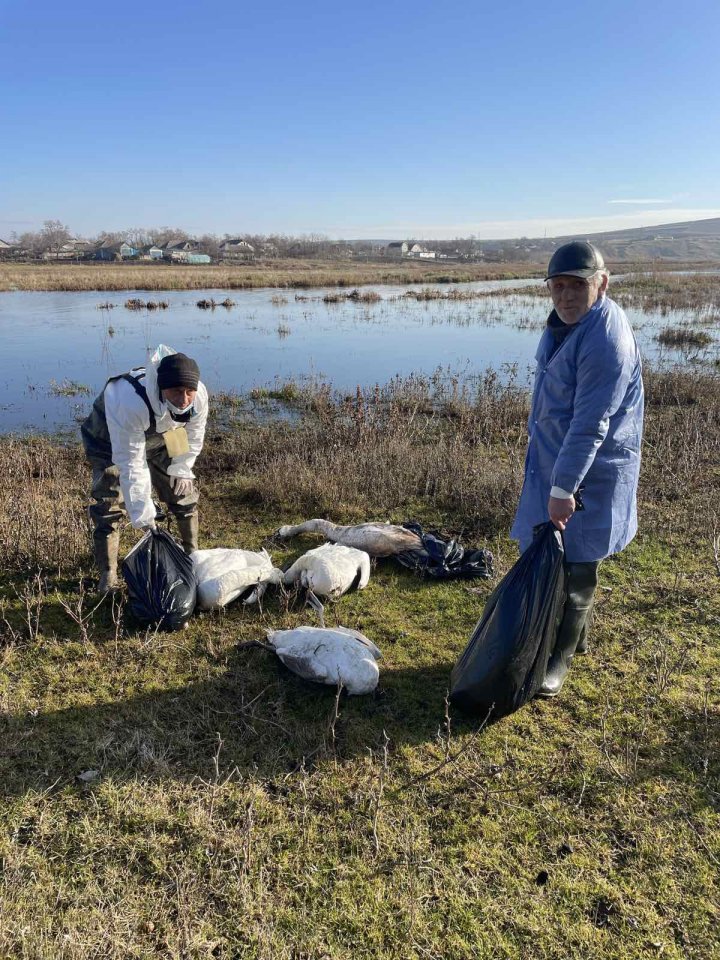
330, 570
329, 655
224, 573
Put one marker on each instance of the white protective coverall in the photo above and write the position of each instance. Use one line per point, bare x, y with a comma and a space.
128, 420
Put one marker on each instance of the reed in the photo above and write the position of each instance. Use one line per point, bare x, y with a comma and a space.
683, 337
287, 274
439, 443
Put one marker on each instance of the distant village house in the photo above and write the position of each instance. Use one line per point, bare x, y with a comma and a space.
237, 250
72, 249
407, 248
116, 250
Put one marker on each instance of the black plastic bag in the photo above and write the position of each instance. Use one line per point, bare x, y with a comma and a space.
504, 663
161, 581
445, 559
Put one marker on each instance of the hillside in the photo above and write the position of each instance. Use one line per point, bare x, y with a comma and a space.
691, 242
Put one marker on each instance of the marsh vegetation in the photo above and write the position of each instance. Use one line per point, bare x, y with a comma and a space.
281, 274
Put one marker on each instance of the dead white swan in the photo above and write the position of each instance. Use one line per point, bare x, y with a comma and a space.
330, 570
334, 656
223, 574
376, 539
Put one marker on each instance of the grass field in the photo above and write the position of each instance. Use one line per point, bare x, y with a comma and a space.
231, 810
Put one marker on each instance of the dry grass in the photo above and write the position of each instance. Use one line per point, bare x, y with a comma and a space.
683, 337
659, 292
286, 273
42, 523
416, 444
429, 445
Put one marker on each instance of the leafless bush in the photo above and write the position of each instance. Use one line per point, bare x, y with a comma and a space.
77, 610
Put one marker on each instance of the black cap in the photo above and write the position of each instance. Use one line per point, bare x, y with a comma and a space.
576, 259
177, 370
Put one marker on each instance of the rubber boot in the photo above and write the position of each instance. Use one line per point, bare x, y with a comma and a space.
106, 559
581, 584
188, 527
582, 646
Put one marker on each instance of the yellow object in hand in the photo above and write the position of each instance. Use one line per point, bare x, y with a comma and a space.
176, 441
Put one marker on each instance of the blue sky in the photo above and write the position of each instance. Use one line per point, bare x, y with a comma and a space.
366, 120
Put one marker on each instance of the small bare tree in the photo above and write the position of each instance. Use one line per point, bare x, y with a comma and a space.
53, 235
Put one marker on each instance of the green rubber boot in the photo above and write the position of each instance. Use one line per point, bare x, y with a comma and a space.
106, 559
581, 584
188, 528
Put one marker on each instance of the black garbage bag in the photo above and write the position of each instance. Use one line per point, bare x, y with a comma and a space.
161, 581
445, 559
504, 663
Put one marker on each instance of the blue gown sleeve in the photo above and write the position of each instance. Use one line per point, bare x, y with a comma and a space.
605, 365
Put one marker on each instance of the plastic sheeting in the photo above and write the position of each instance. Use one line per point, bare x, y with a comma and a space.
505, 661
445, 559
223, 574
161, 581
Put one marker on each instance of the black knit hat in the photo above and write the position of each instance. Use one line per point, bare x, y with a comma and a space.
177, 370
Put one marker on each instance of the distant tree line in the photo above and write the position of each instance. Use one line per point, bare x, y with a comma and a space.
51, 242
54, 237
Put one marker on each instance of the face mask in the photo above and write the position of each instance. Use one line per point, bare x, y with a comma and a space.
179, 412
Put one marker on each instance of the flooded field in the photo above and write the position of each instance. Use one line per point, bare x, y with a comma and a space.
59, 348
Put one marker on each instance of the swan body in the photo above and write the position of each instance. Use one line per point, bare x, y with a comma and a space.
332, 656
376, 539
223, 574
330, 570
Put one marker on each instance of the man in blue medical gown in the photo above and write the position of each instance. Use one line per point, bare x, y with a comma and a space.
585, 431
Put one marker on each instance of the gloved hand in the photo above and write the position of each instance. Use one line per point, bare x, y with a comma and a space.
182, 487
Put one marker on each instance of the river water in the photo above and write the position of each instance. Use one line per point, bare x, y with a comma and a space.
59, 348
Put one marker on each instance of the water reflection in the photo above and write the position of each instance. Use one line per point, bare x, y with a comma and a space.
268, 335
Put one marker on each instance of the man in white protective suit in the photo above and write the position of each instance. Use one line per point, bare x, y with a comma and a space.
145, 430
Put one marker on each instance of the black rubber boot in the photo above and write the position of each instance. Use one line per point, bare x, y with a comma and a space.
581, 584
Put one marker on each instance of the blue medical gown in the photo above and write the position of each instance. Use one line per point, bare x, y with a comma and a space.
585, 428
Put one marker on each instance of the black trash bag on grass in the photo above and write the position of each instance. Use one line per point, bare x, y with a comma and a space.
505, 661
445, 559
161, 581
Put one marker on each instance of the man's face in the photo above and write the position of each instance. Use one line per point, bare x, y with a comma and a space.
572, 297
180, 397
